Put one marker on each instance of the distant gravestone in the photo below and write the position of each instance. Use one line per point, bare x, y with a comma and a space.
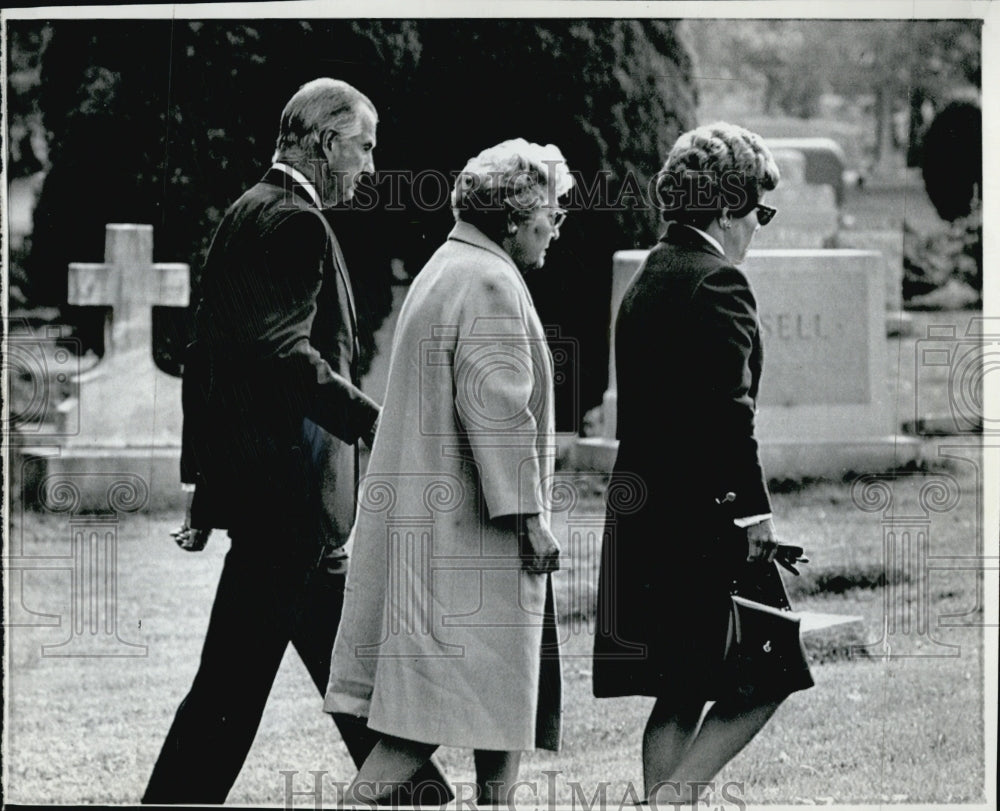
792, 165
824, 161
890, 245
126, 413
824, 406
808, 216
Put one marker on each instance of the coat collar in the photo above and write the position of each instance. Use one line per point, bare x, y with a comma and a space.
684, 236
277, 177
465, 232
469, 234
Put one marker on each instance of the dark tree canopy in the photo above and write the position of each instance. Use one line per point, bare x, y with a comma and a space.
953, 159
168, 122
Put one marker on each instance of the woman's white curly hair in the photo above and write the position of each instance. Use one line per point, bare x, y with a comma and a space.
715, 166
513, 177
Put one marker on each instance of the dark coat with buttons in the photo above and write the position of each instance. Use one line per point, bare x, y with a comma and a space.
689, 359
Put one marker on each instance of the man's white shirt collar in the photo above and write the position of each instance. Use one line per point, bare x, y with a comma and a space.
301, 179
711, 240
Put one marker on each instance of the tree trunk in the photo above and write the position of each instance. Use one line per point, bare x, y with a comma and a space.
914, 146
884, 146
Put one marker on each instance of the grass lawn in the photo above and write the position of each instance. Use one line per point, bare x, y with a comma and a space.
907, 728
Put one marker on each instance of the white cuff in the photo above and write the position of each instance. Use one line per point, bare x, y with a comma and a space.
743, 523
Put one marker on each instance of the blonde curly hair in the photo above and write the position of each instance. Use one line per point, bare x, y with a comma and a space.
509, 180
713, 167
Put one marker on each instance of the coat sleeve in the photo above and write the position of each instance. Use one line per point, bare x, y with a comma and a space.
296, 252
725, 312
496, 386
193, 406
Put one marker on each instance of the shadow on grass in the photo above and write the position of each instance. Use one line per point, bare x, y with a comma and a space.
840, 581
927, 464
590, 487
837, 645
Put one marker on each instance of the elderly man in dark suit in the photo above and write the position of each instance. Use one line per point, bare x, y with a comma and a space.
272, 417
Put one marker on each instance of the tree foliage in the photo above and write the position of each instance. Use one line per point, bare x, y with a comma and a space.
25, 133
902, 65
953, 159
167, 122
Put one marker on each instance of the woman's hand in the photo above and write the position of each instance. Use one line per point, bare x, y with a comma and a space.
539, 547
762, 543
369, 438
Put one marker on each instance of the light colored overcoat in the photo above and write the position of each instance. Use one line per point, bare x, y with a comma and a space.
442, 634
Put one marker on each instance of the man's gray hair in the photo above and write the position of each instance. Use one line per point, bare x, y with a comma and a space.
317, 106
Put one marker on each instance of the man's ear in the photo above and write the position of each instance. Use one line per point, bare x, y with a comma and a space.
328, 142
513, 223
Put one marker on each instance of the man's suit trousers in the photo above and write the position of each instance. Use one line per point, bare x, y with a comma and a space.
267, 597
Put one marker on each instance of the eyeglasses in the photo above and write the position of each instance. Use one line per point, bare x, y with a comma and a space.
557, 216
765, 213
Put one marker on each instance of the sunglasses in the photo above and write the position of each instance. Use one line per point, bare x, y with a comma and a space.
765, 213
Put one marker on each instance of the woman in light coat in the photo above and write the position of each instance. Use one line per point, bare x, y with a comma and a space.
448, 633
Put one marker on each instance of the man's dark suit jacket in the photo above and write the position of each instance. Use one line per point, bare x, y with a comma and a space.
271, 406
688, 359
270, 414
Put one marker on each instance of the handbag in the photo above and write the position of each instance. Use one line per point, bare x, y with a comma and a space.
763, 656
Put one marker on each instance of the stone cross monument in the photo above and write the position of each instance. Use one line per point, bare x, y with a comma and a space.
125, 417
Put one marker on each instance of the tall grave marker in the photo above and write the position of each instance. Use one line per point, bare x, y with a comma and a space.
128, 411
824, 406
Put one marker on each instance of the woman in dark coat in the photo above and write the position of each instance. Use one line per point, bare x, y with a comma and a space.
689, 516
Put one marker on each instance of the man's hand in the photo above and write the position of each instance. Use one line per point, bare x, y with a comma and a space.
539, 547
762, 543
189, 539
186, 537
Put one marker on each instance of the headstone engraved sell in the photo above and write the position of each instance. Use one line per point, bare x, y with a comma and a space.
824, 405
808, 200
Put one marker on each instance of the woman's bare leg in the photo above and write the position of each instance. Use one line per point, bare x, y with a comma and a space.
496, 772
670, 730
391, 762
725, 730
